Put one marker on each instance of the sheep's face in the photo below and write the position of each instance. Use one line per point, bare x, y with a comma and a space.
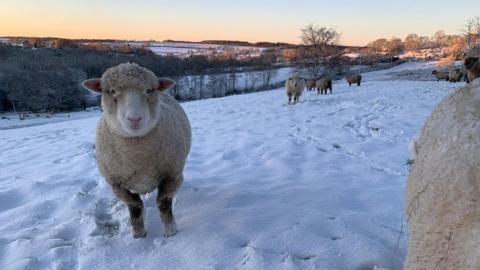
472, 64
295, 81
130, 105
131, 112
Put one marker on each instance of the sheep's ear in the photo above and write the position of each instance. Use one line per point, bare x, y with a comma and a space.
164, 84
93, 85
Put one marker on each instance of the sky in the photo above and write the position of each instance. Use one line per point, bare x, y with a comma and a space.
359, 22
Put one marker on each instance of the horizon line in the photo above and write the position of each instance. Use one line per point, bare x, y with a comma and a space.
164, 40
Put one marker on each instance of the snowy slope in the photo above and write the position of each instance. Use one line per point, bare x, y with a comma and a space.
318, 185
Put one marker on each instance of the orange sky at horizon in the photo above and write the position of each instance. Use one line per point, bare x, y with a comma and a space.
211, 20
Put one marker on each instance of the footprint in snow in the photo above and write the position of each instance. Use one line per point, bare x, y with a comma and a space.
105, 225
89, 186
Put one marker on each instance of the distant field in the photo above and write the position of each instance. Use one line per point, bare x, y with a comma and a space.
186, 49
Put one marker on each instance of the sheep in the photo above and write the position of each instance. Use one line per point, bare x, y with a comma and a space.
455, 75
464, 75
323, 85
354, 79
443, 188
440, 75
473, 68
142, 141
310, 84
294, 87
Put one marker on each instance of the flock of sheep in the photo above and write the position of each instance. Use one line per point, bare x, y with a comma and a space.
451, 75
295, 85
144, 137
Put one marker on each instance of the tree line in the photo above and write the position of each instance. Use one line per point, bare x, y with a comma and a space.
48, 79
446, 45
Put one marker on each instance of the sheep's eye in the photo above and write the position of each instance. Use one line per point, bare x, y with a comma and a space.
149, 91
113, 92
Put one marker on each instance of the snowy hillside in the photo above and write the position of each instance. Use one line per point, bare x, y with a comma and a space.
318, 185
186, 49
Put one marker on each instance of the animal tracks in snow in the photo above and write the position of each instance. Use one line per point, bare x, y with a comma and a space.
317, 185
105, 225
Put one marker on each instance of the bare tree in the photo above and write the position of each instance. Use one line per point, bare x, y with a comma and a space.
319, 43
267, 62
394, 46
440, 40
411, 43
424, 43
376, 49
456, 46
378, 46
472, 33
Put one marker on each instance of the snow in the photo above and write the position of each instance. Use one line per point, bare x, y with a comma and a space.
317, 185
33, 119
187, 49
183, 49
352, 55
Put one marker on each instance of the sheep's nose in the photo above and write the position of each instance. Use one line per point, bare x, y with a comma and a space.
135, 121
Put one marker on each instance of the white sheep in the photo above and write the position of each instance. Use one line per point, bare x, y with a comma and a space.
443, 190
294, 87
143, 140
354, 79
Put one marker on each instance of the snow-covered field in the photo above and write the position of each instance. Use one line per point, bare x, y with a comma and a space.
183, 49
318, 185
32, 119
186, 49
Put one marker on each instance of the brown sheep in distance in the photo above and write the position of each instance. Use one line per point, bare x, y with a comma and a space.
354, 79
455, 75
310, 84
440, 75
323, 85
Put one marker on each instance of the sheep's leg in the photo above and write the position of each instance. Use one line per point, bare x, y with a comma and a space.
289, 98
166, 192
135, 207
295, 99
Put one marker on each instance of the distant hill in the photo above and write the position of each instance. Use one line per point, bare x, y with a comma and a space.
235, 43
264, 44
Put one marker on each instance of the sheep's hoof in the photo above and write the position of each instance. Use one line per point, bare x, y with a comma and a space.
139, 234
170, 230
